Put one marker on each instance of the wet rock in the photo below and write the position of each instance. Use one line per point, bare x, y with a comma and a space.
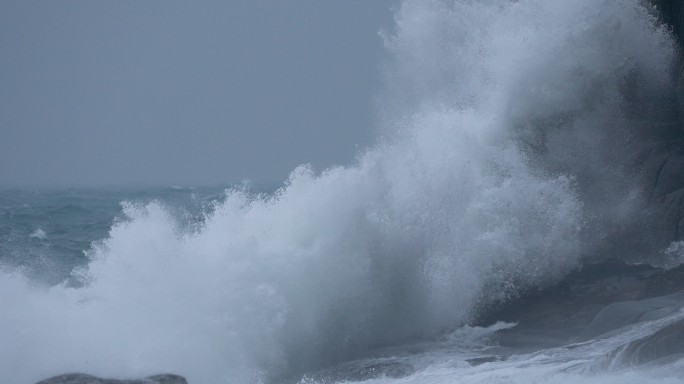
481, 360
80, 378
597, 299
663, 346
663, 164
619, 315
672, 13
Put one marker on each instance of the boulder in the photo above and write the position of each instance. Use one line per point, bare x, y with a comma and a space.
80, 378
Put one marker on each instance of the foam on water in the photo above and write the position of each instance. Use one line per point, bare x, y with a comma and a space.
39, 234
504, 158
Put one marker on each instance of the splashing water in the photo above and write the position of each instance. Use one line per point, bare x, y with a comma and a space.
504, 158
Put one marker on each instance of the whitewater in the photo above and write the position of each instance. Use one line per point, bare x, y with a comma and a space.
504, 161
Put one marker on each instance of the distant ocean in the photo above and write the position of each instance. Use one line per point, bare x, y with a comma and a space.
520, 150
46, 232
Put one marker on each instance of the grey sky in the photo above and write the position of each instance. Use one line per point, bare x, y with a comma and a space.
194, 92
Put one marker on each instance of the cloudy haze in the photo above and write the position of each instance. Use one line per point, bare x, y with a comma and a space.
156, 92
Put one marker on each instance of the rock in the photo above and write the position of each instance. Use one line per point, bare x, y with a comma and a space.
671, 13
619, 315
663, 165
665, 345
597, 299
80, 378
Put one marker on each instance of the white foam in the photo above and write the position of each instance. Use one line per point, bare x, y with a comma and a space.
39, 234
674, 254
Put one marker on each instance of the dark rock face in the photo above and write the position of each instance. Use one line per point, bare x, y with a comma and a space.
671, 13
663, 167
622, 314
590, 302
605, 296
666, 344
80, 378
660, 161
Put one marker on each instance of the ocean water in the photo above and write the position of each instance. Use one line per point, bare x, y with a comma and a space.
75, 218
505, 160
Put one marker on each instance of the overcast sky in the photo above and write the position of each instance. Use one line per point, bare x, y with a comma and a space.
185, 92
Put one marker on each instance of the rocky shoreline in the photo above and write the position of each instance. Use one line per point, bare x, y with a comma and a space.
590, 303
593, 302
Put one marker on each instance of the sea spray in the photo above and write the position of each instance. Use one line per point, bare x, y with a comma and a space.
581, 87
504, 158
